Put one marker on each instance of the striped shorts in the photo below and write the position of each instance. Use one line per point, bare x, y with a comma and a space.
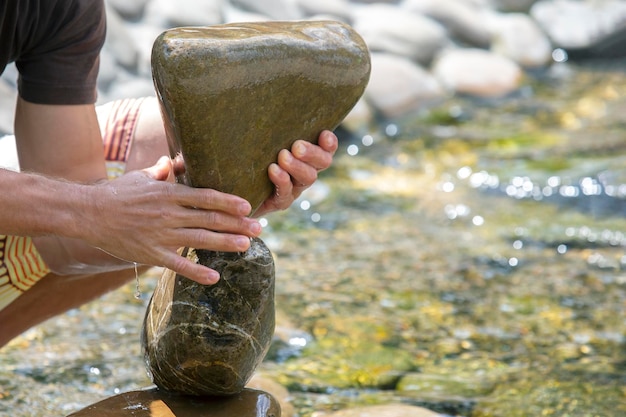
21, 266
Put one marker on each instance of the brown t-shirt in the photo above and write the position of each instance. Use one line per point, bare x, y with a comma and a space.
55, 45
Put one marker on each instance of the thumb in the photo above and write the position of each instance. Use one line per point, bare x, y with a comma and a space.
161, 170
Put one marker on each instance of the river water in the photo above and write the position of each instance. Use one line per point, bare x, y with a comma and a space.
470, 259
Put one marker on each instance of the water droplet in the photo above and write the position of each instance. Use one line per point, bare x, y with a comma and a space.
305, 205
559, 55
464, 172
554, 181
137, 289
391, 129
367, 140
478, 220
298, 341
447, 187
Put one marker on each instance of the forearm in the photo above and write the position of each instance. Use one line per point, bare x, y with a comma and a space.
58, 215
46, 210
66, 256
37, 205
53, 200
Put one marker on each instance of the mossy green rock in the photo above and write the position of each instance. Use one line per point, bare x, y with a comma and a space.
208, 340
156, 403
232, 96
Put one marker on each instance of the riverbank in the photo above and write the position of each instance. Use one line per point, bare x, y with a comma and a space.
423, 51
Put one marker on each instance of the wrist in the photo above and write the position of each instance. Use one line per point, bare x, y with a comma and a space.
55, 206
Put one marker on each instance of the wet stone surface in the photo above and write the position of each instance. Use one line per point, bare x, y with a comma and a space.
156, 403
209, 340
246, 91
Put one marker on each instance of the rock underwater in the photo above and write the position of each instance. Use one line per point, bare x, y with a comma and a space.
232, 96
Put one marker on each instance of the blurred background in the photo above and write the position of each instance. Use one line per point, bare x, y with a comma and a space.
466, 252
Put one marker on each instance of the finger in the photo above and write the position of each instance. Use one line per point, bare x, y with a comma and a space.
302, 174
328, 141
178, 165
312, 154
194, 271
209, 199
215, 221
283, 187
209, 240
161, 170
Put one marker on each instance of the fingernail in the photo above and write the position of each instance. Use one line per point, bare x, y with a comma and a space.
255, 228
299, 149
288, 157
275, 169
243, 243
245, 207
212, 277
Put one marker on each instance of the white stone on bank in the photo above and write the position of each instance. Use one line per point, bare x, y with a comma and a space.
168, 13
386, 28
578, 24
517, 36
340, 9
477, 72
413, 30
274, 9
399, 86
463, 20
119, 41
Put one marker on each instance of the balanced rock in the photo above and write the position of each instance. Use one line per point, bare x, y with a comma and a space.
156, 403
234, 95
208, 340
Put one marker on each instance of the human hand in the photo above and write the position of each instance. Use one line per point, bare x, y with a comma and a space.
297, 169
143, 218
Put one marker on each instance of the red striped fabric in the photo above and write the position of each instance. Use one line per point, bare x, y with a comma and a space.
21, 267
119, 129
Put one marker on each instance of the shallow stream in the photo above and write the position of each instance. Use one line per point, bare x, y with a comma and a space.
470, 259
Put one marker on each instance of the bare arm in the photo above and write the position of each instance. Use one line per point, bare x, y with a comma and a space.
85, 224
61, 141
49, 143
139, 217
35, 205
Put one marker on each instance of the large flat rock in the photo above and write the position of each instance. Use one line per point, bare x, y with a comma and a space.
157, 403
234, 95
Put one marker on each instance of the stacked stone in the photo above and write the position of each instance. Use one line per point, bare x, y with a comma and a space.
423, 51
